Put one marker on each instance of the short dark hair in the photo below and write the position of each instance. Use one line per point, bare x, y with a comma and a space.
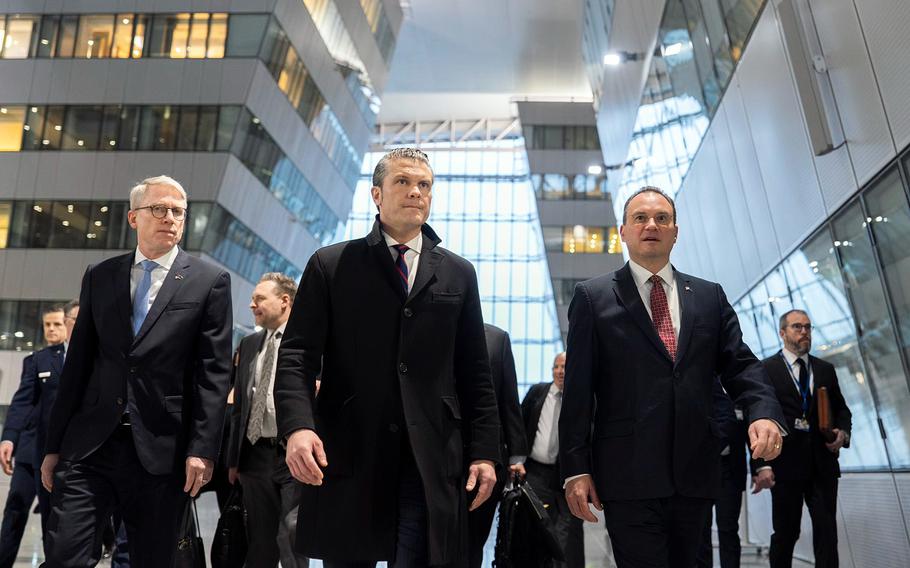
646, 189
283, 282
783, 318
70, 306
382, 168
52, 309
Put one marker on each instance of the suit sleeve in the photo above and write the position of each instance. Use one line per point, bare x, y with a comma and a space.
76, 370
578, 393
300, 354
213, 372
724, 415
509, 410
474, 378
22, 405
233, 457
742, 374
843, 418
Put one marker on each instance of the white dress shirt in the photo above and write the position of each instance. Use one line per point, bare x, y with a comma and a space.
541, 451
791, 358
269, 423
159, 273
642, 278
411, 256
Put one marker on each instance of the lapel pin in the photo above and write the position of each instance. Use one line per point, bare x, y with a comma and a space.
180, 277
688, 289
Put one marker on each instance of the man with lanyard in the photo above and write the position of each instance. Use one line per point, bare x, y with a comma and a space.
807, 469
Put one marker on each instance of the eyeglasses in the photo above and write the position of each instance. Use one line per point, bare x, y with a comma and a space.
807, 327
160, 211
661, 219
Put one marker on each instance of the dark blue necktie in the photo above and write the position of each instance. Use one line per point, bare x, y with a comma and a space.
401, 266
143, 290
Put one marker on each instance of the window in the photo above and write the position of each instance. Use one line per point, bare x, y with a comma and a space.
245, 33
578, 239
218, 29
96, 34
47, 37
6, 211
20, 324
169, 35
199, 31
123, 36
18, 37
82, 129
12, 119
158, 129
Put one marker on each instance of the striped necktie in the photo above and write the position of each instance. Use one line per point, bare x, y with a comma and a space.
401, 266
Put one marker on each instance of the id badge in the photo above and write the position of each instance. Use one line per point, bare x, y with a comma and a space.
801, 424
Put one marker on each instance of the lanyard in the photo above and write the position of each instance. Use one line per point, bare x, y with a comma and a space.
804, 394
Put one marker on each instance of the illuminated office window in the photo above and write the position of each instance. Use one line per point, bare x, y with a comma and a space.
579, 239
66, 42
96, 33
12, 119
218, 30
17, 38
123, 36
6, 210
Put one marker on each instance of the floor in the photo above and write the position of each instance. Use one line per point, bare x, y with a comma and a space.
596, 542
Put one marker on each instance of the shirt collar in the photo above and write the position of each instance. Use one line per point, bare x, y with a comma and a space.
791, 357
641, 275
280, 329
164, 261
414, 244
553, 389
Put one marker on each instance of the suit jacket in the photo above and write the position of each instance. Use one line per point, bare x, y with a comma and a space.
733, 435
396, 372
531, 407
654, 430
505, 383
804, 454
243, 378
172, 377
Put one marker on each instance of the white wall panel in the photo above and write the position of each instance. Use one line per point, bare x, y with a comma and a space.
855, 88
752, 181
779, 134
873, 520
885, 24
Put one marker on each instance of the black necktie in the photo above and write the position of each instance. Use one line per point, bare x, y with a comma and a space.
804, 384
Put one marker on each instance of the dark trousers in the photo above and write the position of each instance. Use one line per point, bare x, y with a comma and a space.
820, 496
480, 520
15, 514
270, 497
44, 502
88, 491
546, 483
726, 509
411, 550
656, 533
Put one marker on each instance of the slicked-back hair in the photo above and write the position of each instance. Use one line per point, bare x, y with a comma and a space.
382, 168
70, 306
646, 189
783, 318
52, 309
284, 283
137, 194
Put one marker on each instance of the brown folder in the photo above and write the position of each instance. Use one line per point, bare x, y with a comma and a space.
825, 427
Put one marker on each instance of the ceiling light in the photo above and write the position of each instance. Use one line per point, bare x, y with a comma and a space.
97, 223
672, 49
612, 59
104, 209
595, 169
3, 110
65, 223
126, 21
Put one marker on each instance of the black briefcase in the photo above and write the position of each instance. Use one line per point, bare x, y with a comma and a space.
525, 536
190, 551
229, 545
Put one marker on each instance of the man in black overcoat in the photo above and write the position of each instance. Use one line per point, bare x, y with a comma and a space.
393, 324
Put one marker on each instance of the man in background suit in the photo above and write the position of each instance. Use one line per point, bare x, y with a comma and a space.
512, 437
541, 409
255, 456
645, 344
393, 323
137, 421
729, 500
807, 469
20, 433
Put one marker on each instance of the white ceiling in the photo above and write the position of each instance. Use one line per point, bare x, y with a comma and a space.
468, 58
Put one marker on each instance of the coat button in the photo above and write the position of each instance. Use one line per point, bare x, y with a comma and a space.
119, 401
393, 428
402, 368
133, 370
676, 375
408, 312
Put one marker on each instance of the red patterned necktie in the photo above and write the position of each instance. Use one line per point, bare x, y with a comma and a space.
660, 315
402, 266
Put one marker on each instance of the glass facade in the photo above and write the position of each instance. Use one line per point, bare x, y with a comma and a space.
572, 187
380, 26
20, 324
551, 137
595, 40
484, 210
851, 278
699, 43
73, 224
172, 128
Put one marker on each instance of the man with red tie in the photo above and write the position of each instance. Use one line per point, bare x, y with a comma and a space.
645, 344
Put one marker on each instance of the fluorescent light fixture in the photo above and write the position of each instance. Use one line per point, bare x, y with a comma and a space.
673, 49
612, 59
595, 170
